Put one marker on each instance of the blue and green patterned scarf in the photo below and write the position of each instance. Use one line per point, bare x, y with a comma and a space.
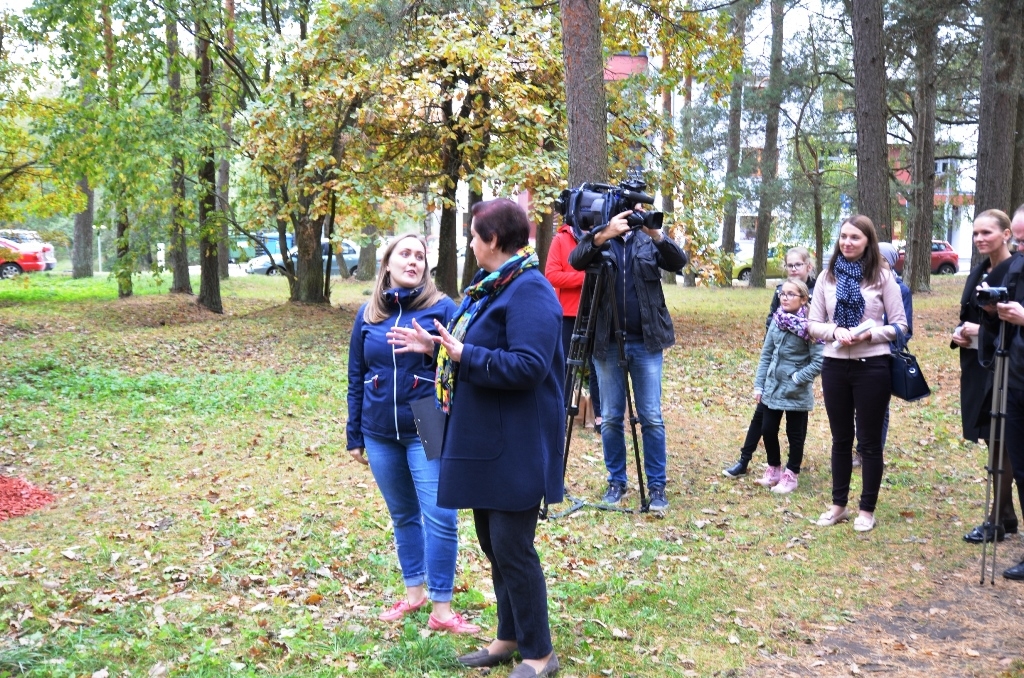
478, 296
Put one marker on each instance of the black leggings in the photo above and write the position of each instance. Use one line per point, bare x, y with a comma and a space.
857, 391
796, 431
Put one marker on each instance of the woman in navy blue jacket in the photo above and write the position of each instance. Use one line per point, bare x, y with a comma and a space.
500, 372
382, 383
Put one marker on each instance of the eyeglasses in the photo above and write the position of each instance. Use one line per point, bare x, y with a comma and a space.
790, 295
793, 267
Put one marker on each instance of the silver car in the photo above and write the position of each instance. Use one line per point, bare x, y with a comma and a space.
262, 265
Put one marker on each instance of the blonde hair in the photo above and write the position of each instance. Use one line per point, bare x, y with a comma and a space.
801, 287
376, 309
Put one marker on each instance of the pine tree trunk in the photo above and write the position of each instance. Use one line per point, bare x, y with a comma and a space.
1000, 91
770, 156
922, 195
1017, 187
870, 115
81, 250
586, 106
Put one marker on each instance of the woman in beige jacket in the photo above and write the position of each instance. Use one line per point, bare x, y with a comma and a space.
855, 377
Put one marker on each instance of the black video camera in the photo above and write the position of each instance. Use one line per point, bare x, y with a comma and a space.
593, 205
987, 296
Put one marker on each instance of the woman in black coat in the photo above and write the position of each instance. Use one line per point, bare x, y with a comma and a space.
499, 376
991, 235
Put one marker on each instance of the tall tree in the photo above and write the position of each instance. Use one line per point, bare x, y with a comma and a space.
177, 251
206, 184
1000, 92
924, 21
769, 192
871, 114
224, 165
584, 91
81, 252
738, 26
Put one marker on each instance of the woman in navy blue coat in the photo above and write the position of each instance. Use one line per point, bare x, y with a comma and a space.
499, 376
382, 382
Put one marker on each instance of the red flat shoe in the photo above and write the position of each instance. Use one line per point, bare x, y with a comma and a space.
400, 609
454, 625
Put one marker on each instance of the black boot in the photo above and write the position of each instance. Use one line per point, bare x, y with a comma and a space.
984, 533
738, 469
1016, 572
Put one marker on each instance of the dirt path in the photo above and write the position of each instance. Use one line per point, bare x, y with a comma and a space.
963, 630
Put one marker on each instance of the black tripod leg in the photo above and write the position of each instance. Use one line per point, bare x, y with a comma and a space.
996, 454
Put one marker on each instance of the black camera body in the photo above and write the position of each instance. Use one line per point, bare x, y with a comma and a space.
988, 296
593, 205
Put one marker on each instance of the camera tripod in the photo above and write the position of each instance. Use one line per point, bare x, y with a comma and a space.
597, 290
996, 466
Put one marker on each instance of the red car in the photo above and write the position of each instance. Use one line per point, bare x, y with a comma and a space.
30, 257
945, 260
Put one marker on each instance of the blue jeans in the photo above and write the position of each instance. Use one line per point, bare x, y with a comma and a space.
645, 375
426, 536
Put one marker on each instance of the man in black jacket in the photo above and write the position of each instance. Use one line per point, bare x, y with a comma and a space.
636, 257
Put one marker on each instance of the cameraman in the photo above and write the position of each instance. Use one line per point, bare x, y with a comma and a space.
1009, 274
636, 255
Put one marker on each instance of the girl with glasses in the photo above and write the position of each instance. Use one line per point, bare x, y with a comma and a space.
799, 266
790, 361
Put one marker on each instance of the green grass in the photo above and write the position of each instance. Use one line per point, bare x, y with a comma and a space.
209, 520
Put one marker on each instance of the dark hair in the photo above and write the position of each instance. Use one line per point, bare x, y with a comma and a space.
871, 260
502, 221
999, 216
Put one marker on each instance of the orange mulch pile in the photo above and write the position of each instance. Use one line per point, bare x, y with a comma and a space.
18, 497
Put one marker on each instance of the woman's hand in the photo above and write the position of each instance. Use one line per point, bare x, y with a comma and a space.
1011, 312
757, 396
358, 454
450, 343
963, 334
413, 339
847, 338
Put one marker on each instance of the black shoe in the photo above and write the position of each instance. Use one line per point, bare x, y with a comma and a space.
483, 659
1016, 572
1010, 526
614, 494
984, 532
738, 469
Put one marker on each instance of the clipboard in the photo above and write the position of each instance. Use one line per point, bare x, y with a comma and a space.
430, 425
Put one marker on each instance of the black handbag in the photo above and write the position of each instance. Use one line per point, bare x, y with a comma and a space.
908, 382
